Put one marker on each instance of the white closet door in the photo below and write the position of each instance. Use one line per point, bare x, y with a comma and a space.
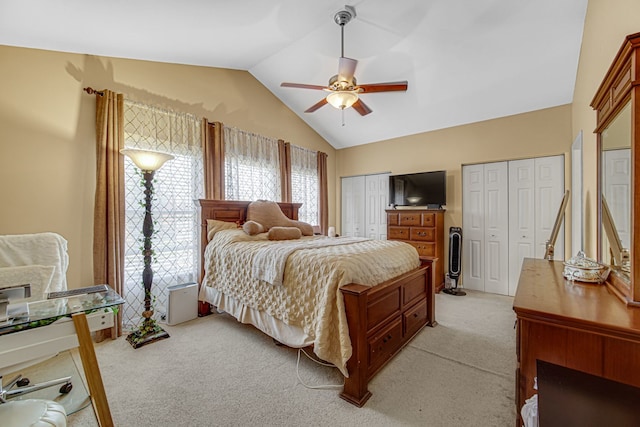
473, 232
616, 167
377, 200
549, 190
521, 217
496, 228
353, 206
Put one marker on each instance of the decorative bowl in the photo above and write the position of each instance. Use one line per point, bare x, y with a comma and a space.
583, 269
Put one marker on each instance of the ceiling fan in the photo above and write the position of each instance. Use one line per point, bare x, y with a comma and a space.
344, 91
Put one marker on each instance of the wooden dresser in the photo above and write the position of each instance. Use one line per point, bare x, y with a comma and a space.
424, 229
577, 325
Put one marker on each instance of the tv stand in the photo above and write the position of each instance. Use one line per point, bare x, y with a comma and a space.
423, 229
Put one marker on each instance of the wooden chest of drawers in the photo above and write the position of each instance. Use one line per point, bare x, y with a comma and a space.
424, 229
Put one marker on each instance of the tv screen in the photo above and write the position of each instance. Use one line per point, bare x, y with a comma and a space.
419, 189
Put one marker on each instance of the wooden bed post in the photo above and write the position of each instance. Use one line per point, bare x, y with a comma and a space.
355, 387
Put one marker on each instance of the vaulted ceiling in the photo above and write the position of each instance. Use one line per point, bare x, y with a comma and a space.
465, 60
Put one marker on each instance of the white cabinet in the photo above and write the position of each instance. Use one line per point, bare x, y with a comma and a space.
509, 209
364, 200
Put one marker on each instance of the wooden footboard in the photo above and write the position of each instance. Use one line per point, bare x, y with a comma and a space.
382, 320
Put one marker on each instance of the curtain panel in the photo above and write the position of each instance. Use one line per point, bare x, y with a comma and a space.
324, 192
213, 154
108, 212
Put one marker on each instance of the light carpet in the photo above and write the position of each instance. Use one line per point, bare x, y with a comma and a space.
214, 371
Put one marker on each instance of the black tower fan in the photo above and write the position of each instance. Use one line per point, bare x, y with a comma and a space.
455, 256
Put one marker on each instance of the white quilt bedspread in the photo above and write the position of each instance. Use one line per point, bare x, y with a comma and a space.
309, 296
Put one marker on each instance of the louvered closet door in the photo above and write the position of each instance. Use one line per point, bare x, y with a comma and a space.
473, 223
521, 217
496, 227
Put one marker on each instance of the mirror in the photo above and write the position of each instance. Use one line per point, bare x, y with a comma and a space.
615, 175
618, 129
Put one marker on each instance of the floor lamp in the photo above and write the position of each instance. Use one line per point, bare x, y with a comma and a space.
148, 162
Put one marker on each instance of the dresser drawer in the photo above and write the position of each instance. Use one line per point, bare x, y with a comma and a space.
410, 219
398, 233
413, 290
429, 219
392, 218
414, 319
424, 249
383, 344
423, 234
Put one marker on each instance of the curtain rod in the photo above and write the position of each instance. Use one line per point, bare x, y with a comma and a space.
92, 91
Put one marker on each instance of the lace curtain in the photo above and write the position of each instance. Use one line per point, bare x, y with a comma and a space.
176, 185
304, 183
251, 165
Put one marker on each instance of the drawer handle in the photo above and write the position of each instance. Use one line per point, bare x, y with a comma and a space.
415, 314
422, 233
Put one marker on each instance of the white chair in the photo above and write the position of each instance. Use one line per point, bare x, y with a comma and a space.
33, 413
40, 260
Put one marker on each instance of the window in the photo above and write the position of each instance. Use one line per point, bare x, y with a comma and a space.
176, 185
304, 184
252, 166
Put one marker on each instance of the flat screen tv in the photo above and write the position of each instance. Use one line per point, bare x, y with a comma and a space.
427, 189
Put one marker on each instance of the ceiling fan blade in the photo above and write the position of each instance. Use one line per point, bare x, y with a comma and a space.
346, 69
302, 86
315, 106
384, 87
361, 107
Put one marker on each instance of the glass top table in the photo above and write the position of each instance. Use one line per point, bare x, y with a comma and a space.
58, 324
44, 312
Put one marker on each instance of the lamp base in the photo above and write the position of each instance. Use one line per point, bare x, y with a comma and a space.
147, 333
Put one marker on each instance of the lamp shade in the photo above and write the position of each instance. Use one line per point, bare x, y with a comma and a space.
342, 99
147, 160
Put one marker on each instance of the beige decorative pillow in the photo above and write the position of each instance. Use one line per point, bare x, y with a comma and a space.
213, 226
284, 233
269, 214
252, 228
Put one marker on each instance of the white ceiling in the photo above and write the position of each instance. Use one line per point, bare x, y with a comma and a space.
465, 60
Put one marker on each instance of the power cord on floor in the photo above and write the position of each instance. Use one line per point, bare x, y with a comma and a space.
315, 387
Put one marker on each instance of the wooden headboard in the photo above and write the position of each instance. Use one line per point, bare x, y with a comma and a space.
229, 211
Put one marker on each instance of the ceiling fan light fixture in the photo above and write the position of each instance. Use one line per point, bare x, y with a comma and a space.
342, 99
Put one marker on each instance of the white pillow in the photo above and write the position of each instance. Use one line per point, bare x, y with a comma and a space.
38, 276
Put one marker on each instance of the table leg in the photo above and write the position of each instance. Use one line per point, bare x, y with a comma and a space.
92, 371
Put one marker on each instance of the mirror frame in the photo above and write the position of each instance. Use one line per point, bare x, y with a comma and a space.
620, 85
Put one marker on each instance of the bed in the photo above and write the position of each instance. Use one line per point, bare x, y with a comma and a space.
358, 327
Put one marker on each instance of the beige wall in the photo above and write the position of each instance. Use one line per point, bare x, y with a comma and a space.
47, 158
539, 133
606, 25
47, 136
